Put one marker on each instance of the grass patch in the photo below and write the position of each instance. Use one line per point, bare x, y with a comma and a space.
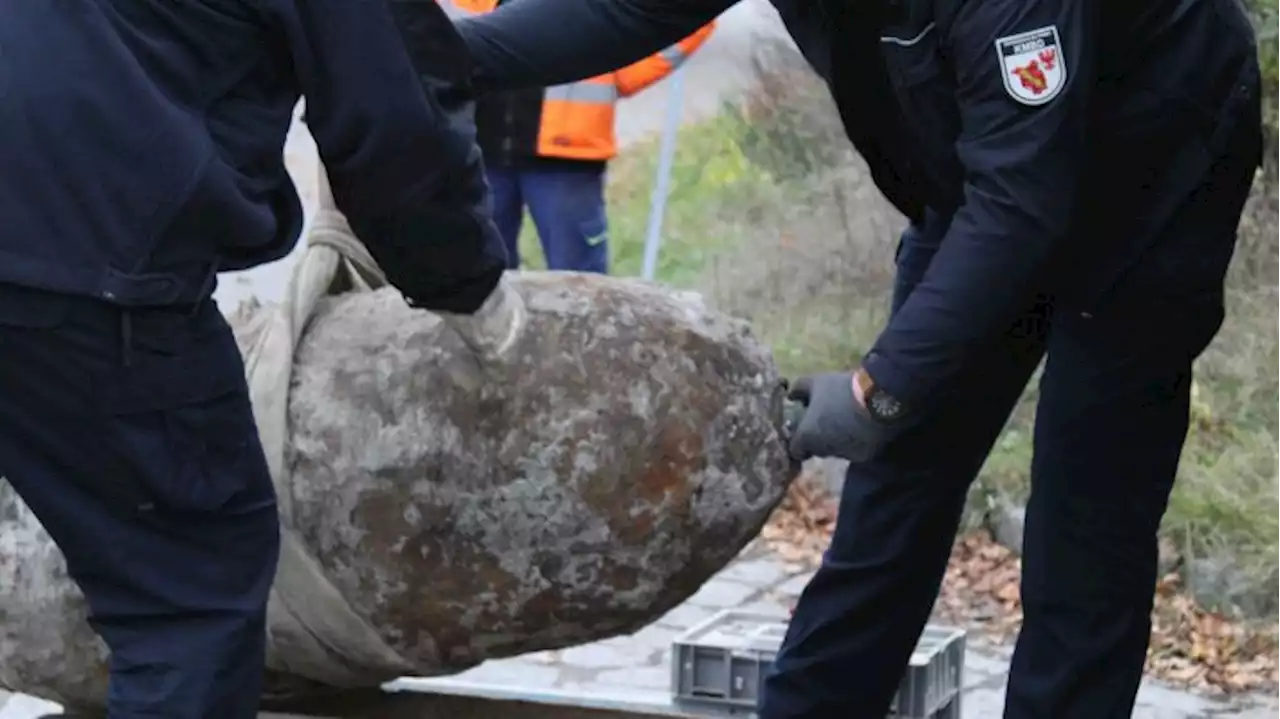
713, 189
801, 244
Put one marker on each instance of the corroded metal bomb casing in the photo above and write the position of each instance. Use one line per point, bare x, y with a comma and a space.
626, 449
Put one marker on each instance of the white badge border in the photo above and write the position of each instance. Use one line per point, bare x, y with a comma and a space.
1007, 79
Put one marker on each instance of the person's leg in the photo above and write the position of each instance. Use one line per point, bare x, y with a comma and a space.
507, 206
1112, 418
568, 209
1110, 427
861, 615
134, 444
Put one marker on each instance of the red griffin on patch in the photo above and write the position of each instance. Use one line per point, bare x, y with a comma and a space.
1032, 76
1048, 58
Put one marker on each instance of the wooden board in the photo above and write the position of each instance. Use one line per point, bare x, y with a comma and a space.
439, 706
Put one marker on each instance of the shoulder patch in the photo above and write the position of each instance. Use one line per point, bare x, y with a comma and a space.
1032, 65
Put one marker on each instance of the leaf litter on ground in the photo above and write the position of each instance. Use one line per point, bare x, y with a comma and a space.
1190, 646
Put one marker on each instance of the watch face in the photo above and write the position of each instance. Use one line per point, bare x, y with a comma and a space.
883, 407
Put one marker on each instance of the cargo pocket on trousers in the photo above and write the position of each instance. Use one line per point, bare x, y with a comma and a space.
179, 434
593, 228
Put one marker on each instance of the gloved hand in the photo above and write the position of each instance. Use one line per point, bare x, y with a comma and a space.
492, 330
831, 421
441, 248
420, 252
445, 253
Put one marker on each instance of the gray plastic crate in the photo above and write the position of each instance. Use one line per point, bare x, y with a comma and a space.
720, 665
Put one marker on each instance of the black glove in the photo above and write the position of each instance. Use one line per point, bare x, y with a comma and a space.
444, 256
831, 422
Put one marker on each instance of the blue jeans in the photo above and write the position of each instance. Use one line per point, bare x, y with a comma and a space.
568, 210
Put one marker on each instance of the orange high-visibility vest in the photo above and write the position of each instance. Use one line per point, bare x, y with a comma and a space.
577, 121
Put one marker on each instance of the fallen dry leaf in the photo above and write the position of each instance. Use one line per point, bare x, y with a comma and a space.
1189, 647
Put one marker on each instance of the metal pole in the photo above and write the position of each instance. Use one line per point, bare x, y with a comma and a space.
661, 186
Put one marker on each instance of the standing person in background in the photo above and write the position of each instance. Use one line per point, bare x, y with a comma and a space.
547, 149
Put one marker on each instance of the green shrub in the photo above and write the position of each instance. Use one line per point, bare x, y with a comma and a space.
1266, 14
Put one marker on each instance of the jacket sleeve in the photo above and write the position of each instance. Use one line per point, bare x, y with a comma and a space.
639, 75
539, 43
388, 103
1021, 152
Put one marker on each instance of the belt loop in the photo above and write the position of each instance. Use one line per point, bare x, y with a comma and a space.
126, 336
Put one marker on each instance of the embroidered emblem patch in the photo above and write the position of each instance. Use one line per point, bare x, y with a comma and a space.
1032, 65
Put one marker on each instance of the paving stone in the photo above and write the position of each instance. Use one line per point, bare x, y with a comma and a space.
759, 573
982, 704
599, 656
685, 616
795, 585
1269, 703
652, 637
722, 594
769, 605
642, 696
1155, 712
1167, 699
981, 668
975, 642
641, 656
1155, 701
1267, 710
658, 678
512, 671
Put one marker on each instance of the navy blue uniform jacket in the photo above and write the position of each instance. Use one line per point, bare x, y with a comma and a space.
141, 143
1045, 144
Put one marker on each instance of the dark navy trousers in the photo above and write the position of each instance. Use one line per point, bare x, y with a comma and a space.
130, 435
568, 209
1111, 420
